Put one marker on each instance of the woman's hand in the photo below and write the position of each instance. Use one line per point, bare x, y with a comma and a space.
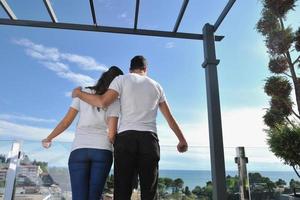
61, 127
46, 143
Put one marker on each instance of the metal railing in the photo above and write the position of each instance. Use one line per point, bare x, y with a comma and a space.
43, 173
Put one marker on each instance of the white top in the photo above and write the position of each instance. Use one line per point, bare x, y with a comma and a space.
139, 99
91, 130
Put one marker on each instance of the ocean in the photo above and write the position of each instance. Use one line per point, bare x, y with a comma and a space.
193, 178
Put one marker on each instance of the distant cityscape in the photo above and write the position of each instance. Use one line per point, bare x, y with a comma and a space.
33, 181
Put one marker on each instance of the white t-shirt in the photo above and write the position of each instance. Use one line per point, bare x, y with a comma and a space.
139, 99
91, 129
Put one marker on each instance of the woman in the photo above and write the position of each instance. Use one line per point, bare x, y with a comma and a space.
91, 156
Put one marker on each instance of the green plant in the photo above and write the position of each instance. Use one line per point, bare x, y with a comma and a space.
283, 115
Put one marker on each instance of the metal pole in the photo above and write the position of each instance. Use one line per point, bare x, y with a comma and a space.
13, 156
214, 114
242, 161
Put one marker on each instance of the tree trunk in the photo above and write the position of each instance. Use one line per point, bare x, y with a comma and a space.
296, 171
293, 73
295, 81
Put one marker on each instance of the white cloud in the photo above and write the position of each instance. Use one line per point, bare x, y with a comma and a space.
106, 3
30, 138
259, 50
77, 78
36, 54
122, 15
63, 71
198, 158
15, 131
125, 18
56, 66
170, 45
85, 62
241, 127
68, 94
54, 60
244, 127
25, 118
38, 50
50, 54
56, 155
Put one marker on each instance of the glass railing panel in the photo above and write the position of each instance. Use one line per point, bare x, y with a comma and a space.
268, 177
183, 175
5, 147
43, 173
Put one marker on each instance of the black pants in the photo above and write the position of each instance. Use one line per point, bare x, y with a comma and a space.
136, 152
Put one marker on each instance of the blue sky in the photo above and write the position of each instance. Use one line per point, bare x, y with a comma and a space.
39, 68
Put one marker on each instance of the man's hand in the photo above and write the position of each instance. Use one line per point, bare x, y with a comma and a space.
76, 92
182, 146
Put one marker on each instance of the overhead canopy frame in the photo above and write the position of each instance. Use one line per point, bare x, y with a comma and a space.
50, 10
8, 10
210, 64
96, 27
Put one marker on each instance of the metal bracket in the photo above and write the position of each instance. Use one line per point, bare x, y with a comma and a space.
208, 62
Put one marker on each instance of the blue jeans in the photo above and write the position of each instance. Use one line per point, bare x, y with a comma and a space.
89, 169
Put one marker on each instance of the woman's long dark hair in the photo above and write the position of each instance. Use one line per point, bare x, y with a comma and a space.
106, 78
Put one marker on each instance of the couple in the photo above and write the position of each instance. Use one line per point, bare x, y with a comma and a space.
135, 98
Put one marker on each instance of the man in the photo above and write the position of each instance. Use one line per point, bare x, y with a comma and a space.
136, 147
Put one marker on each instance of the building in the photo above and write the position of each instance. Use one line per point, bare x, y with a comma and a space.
3, 172
30, 171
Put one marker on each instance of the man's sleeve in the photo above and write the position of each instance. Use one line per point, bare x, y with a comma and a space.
75, 103
162, 97
114, 109
116, 85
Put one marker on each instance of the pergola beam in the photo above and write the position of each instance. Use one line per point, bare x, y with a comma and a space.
223, 14
50, 11
137, 8
180, 15
93, 12
107, 29
8, 10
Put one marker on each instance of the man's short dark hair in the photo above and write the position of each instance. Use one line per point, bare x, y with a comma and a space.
138, 62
